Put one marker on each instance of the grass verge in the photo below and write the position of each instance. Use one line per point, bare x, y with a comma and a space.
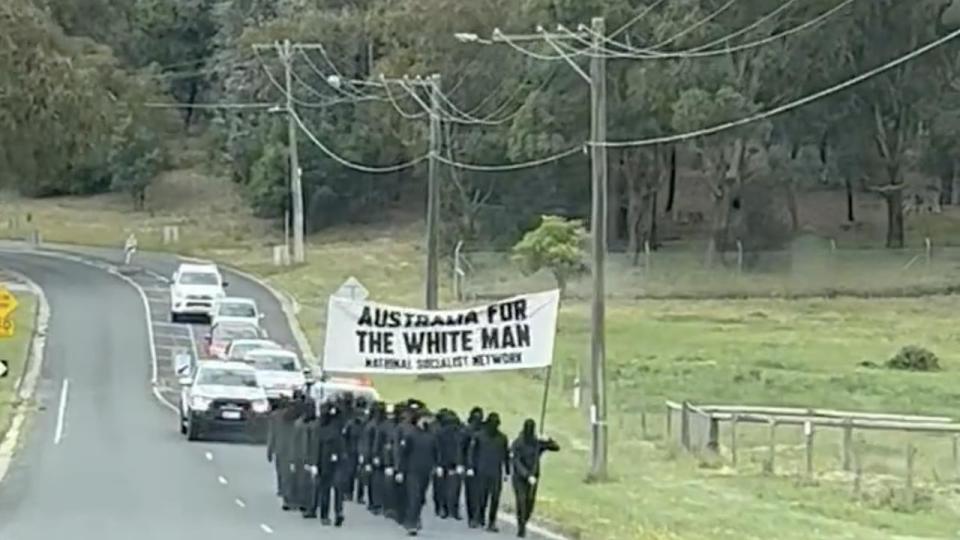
14, 350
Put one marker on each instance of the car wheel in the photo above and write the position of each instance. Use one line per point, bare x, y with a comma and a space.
174, 318
193, 431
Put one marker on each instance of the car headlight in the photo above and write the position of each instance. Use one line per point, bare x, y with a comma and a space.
200, 403
260, 406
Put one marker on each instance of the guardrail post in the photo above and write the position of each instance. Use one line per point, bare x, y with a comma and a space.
685, 426
772, 456
669, 422
845, 449
808, 449
733, 439
909, 491
643, 424
956, 455
857, 470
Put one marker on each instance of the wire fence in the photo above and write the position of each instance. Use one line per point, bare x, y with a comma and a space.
682, 272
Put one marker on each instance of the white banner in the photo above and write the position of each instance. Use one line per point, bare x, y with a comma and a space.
366, 337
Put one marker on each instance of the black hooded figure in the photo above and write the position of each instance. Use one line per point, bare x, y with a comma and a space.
469, 440
407, 425
351, 426
449, 474
284, 453
372, 445
328, 451
303, 430
491, 455
525, 454
274, 430
387, 442
417, 462
361, 415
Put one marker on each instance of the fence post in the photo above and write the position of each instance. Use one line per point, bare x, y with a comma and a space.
929, 249
669, 422
646, 257
847, 442
739, 256
909, 491
733, 439
833, 244
956, 456
808, 449
772, 457
643, 424
857, 470
685, 426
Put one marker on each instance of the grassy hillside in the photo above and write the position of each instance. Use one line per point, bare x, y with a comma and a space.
772, 352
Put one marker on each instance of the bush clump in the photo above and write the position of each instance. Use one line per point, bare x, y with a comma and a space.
913, 358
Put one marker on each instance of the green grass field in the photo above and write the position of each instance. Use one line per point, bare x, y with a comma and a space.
770, 352
14, 351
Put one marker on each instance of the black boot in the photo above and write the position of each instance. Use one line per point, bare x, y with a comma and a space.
325, 522
338, 522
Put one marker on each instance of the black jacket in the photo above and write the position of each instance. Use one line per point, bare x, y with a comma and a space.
525, 455
328, 448
418, 452
490, 453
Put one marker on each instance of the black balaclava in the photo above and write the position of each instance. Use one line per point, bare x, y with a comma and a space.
493, 422
529, 432
476, 417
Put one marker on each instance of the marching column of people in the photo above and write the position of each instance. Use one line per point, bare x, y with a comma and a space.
387, 457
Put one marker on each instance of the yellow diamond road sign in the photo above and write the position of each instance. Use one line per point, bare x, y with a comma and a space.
7, 328
8, 302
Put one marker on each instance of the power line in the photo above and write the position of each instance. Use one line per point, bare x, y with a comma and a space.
579, 149
788, 106
352, 164
699, 52
711, 16
637, 18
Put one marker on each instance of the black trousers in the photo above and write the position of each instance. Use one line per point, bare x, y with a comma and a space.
329, 490
453, 487
489, 498
472, 489
377, 489
348, 477
439, 493
287, 483
524, 496
415, 496
278, 467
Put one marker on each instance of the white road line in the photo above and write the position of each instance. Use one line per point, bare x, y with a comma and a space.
240, 503
222, 480
266, 528
209, 456
61, 411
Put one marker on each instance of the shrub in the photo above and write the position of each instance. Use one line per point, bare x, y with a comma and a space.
913, 358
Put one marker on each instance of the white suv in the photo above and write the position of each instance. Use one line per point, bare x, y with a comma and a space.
194, 290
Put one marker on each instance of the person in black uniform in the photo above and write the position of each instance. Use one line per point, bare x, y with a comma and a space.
469, 439
361, 415
287, 451
490, 454
329, 451
373, 449
411, 412
447, 480
273, 437
302, 431
417, 461
525, 454
388, 436
352, 427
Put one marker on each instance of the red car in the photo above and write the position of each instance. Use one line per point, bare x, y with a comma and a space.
221, 334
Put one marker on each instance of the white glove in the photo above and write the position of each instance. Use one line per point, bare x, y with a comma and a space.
333, 458
360, 459
388, 471
376, 461
368, 468
314, 470
306, 467
293, 468
470, 472
532, 480
460, 469
399, 477
440, 471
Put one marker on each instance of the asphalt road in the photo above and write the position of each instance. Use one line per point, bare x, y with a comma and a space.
121, 470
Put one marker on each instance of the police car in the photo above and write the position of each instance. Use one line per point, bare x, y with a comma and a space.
329, 388
222, 395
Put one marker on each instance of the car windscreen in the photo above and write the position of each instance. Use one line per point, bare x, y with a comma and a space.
234, 332
270, 362
237, 350
237, 309
332, 394
227, 377
199, 278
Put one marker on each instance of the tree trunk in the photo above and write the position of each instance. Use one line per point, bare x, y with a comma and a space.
652, 231
793, 207
634, 218
672, 183
894, 200
191, 99
850, 215
561, 283
955, 181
